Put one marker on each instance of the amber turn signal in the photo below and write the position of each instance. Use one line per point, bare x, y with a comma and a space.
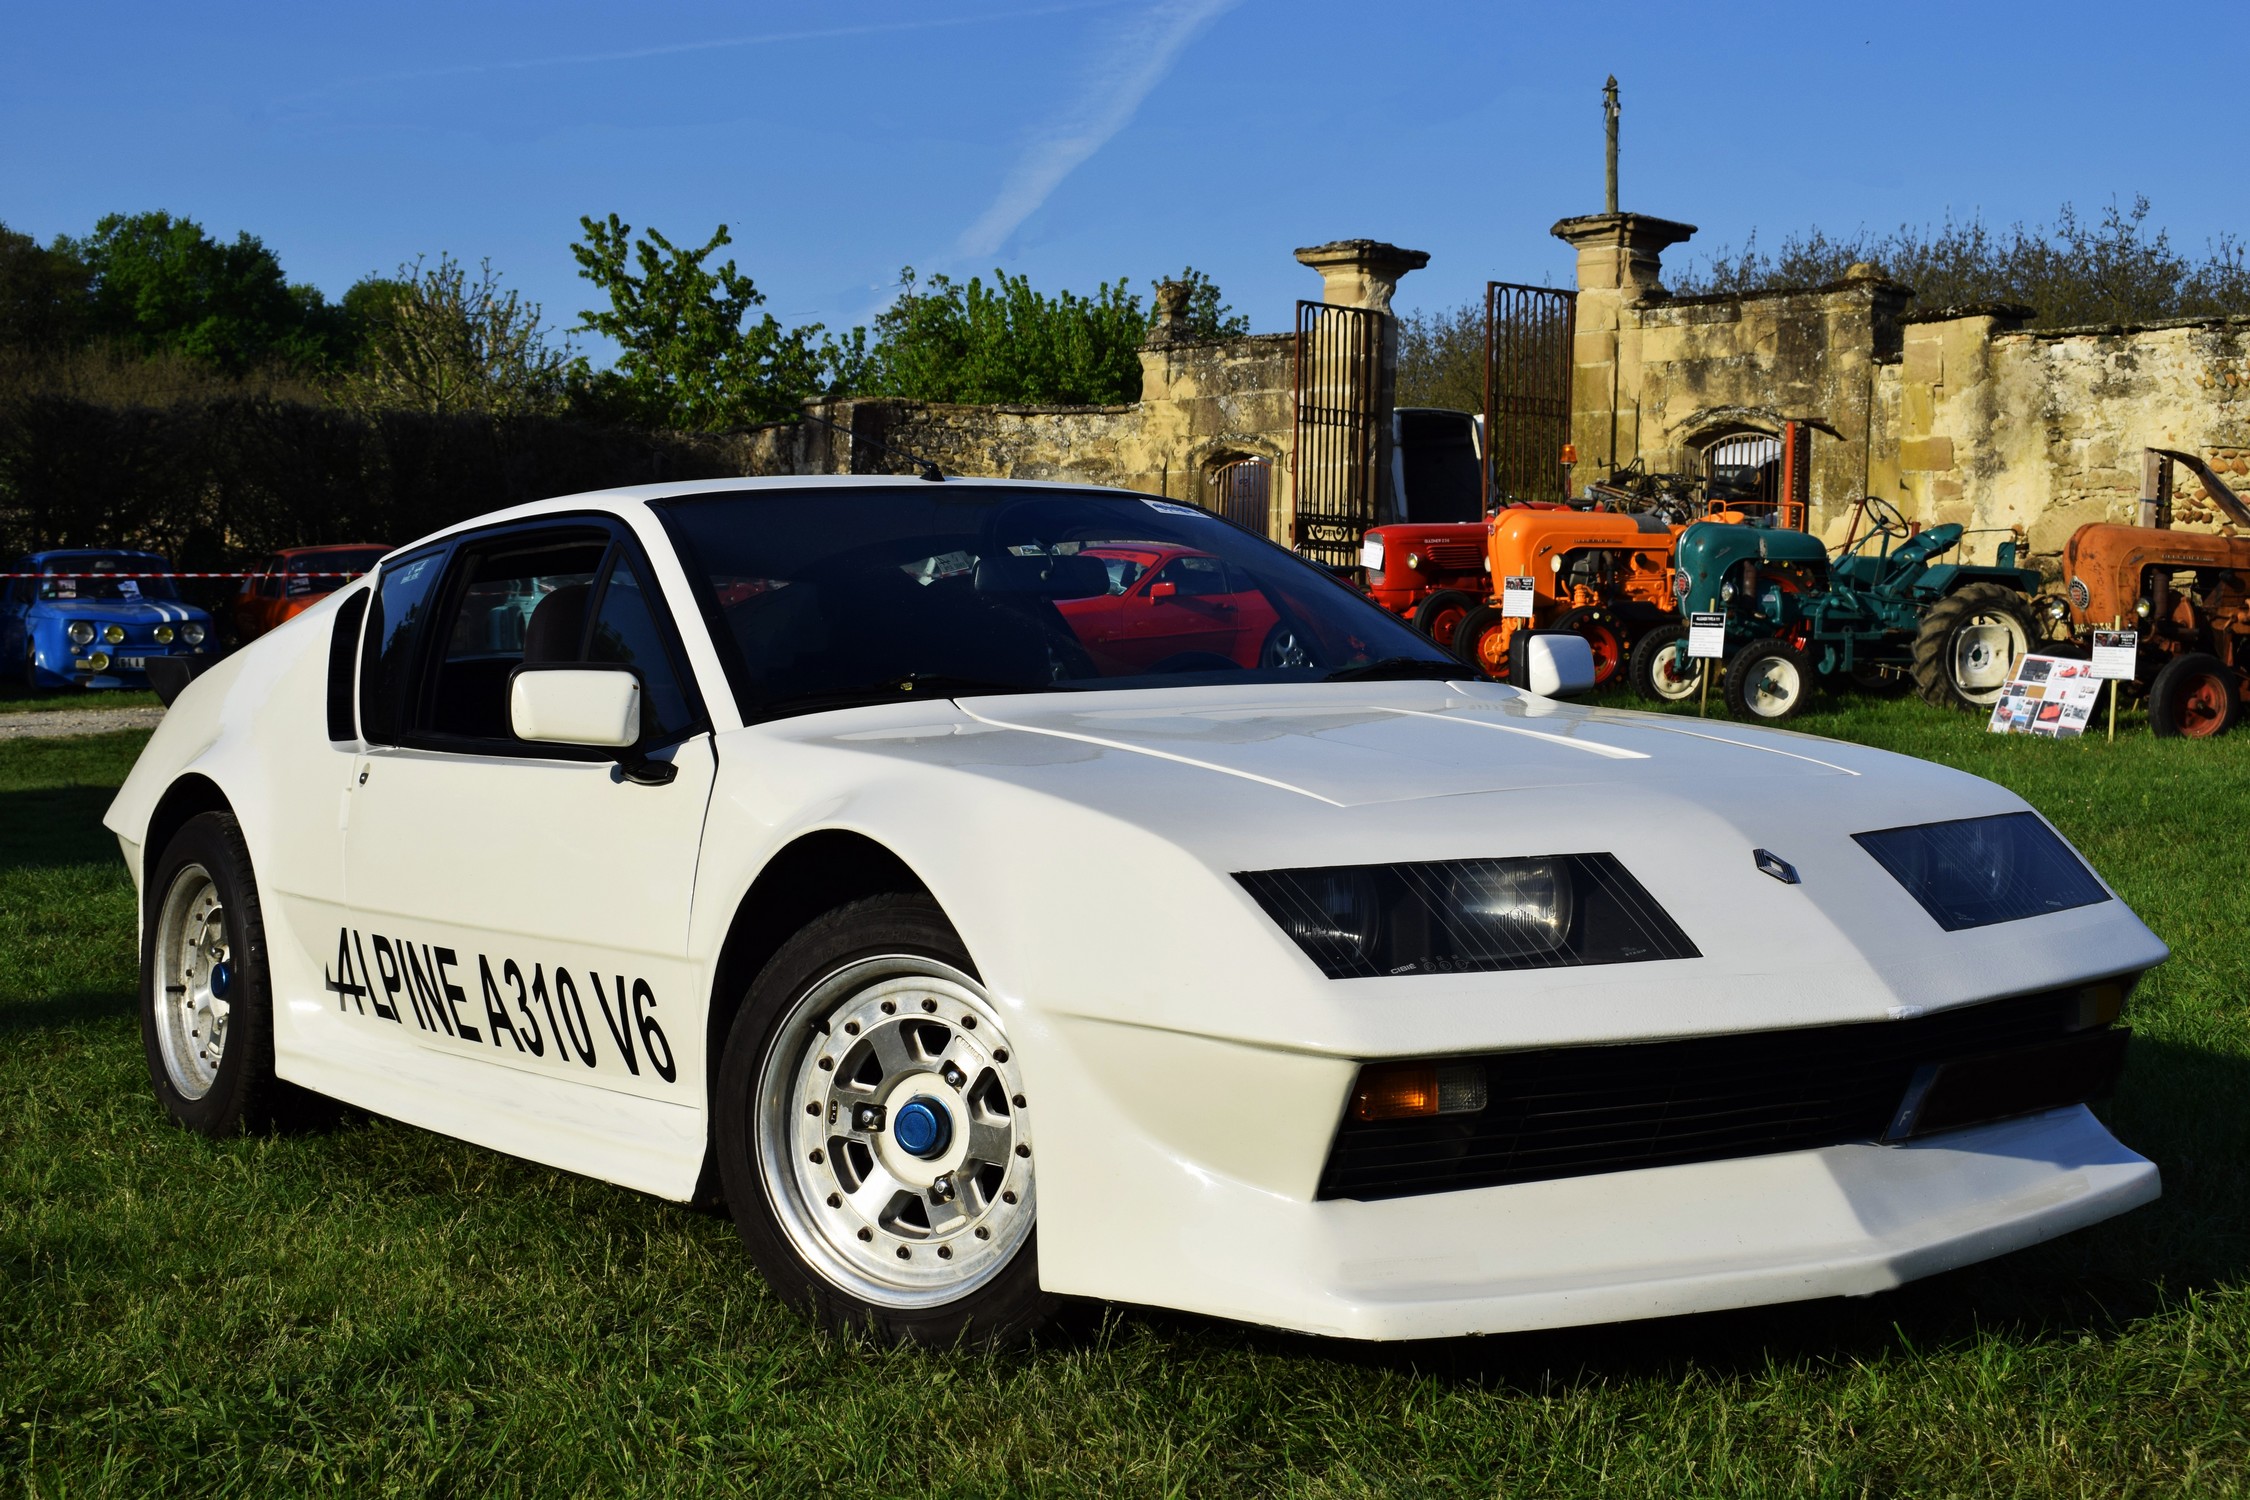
1413, 1091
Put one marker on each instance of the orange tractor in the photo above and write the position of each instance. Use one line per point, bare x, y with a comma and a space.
2187, 593
1605, 575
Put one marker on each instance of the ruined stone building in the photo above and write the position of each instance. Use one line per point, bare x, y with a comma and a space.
1959, 414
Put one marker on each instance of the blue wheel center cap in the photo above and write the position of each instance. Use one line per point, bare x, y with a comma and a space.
922, 1127
222, 979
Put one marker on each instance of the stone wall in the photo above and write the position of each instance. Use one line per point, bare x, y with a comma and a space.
1959, 415
1202, 404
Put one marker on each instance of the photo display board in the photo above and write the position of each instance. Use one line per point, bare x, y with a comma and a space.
2049, 695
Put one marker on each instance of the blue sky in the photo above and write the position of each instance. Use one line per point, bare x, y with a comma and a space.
1081, 140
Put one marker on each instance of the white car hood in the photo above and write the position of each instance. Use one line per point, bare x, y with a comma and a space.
1400, 742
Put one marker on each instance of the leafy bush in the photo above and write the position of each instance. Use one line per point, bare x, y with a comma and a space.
2070, 272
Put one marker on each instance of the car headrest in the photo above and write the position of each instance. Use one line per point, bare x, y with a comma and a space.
556, 626
1075, 576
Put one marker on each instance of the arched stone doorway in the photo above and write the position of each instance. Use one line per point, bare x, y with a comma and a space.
1239, 486
1743, 465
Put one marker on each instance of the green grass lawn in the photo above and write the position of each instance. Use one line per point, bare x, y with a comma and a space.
378, 1310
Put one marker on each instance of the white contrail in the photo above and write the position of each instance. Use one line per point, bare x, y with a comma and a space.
711, 44
1134, 63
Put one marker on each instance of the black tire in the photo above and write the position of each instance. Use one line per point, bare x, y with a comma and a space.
1768, 680
1656, 662
241, 1093
1959, 649
1441, 615
2194, 697
1604, 634
1481, 641
803, 1248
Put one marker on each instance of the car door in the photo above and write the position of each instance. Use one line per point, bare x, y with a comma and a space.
514, 906
1180, 610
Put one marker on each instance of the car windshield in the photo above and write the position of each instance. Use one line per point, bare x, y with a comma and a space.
97, 577
825, 598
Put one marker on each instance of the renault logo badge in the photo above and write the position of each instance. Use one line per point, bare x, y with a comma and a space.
1770, 863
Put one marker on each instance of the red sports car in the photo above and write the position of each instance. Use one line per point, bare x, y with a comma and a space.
295, 580
1170, 609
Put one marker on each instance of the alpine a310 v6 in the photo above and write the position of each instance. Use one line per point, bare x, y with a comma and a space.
986, 928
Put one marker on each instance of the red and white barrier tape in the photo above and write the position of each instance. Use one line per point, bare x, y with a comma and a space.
362, 573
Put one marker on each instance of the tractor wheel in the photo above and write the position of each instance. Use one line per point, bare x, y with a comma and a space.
2194, 697
1662, 670
1769, 680
1440, 615
1598, 624
1481, 640
1970, 643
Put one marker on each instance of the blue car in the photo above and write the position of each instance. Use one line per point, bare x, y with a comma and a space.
82, 620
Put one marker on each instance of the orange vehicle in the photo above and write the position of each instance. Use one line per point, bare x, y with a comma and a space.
293, 580
1604, 575
2186, 592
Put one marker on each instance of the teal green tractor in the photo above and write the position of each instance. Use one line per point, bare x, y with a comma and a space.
1884, 607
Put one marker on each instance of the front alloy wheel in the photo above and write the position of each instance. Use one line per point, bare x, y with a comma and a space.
890, 1139
872, 1132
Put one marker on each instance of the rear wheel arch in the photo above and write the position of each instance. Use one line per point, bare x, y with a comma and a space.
816, 873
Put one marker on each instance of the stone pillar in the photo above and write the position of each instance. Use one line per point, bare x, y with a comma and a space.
1365, 273
1619, 262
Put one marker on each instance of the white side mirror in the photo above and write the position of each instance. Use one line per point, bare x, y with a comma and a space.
1558, 664
590, 706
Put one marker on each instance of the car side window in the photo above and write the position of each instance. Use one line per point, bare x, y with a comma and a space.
626, 632
396, 622
515, 600
1195, 575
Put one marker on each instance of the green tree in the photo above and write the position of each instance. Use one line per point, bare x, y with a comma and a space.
42, 293
160, 283
689, 353
437, 340
2070, 272
1208, 317
944, 340
1441, 358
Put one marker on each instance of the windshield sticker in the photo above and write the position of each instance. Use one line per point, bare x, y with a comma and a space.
1170, 508
539, 1012
128, 588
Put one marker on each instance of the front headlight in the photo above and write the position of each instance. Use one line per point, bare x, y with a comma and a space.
163, 635
1978, 871
114, 634
1467, 916
192, 632
81, 633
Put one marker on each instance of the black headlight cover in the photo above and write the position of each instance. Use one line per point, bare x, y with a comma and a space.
1978, 871
1468, 916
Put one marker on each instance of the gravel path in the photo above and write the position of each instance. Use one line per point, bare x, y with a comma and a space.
49, 723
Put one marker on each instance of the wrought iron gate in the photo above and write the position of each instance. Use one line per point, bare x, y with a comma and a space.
1242, 491
1332, 466
1527, 365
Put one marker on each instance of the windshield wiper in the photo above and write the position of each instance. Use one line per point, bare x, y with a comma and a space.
904, 688
1400, 668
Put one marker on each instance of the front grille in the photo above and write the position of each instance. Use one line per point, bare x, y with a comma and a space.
1455, 557
1576, 1111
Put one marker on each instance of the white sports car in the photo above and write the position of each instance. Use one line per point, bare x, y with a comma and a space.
1003, 892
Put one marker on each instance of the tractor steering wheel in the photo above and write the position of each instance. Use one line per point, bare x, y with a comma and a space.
1885, 520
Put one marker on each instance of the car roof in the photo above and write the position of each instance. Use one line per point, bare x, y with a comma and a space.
640, 495
55, 554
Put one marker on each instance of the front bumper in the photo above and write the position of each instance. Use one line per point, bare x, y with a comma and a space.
1133, 1211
